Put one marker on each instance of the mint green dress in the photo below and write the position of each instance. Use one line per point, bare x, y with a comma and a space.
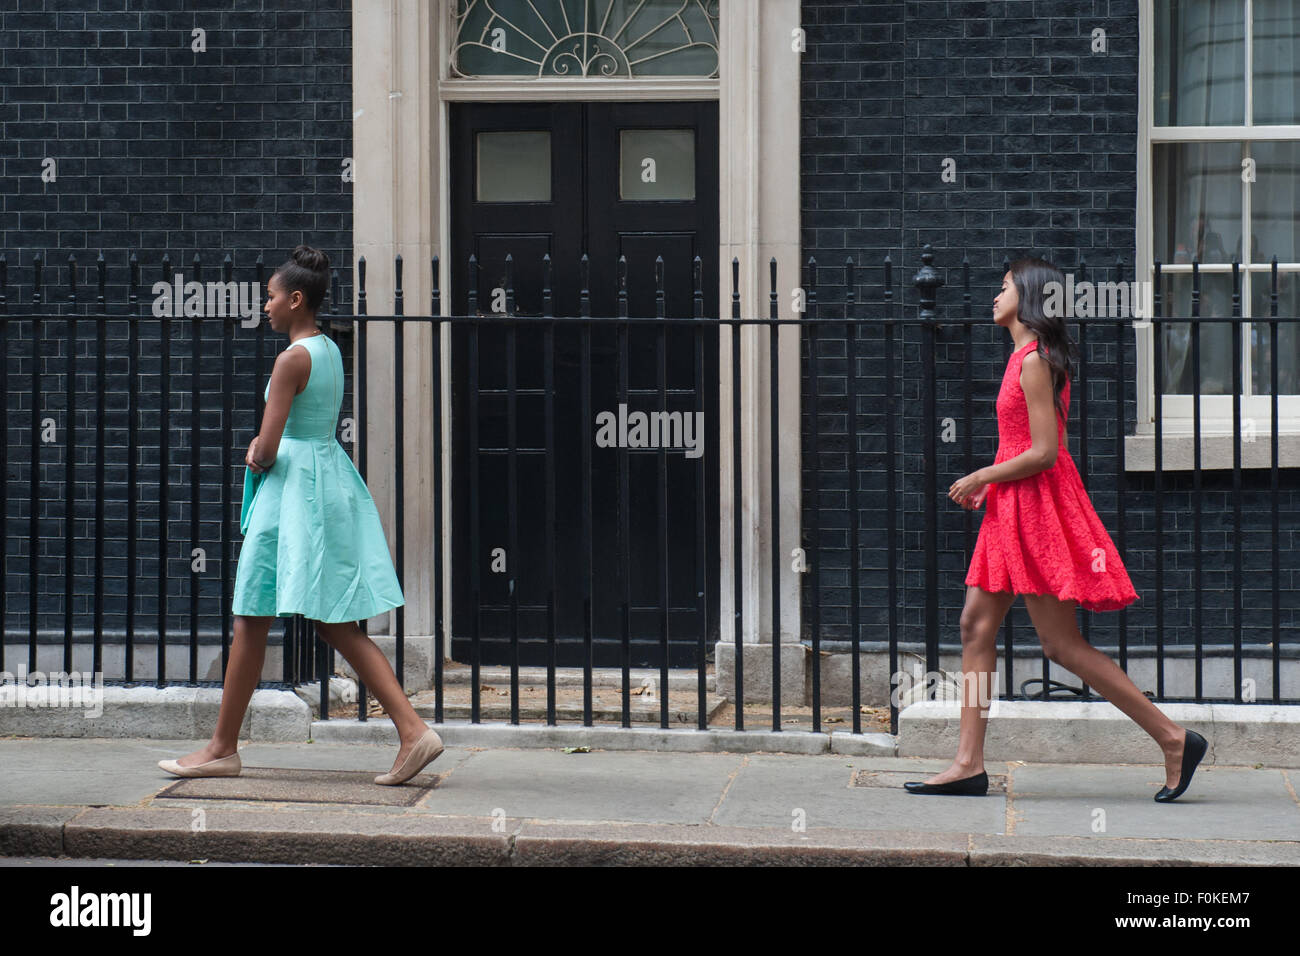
313, 542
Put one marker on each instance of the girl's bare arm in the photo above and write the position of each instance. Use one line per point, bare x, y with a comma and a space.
288, 378
1036, 382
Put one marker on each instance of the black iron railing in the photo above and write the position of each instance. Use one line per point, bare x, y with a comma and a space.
126, 433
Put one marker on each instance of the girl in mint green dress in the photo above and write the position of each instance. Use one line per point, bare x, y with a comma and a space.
313, 541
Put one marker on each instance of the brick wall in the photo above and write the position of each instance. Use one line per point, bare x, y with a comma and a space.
1044, 136
158, 148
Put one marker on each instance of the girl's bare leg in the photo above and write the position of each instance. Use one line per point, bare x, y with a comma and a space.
243, 671
1064, 644
377, 674
981, 619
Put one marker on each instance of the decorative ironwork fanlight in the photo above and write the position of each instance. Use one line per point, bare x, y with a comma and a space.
585, 38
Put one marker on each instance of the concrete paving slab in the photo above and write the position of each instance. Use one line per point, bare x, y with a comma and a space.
1223, 803
603, 785
766, 794
75, 787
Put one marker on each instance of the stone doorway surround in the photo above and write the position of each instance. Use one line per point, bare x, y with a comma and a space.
400, 95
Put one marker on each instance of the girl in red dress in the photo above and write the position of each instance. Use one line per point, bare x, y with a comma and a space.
1042, 539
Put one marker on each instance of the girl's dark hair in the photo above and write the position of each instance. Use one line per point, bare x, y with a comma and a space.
1030, 276
307, 271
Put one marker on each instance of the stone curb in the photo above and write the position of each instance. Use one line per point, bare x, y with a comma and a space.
348, 837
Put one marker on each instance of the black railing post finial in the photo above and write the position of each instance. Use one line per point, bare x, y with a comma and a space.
133, 288
546, 285
72, 278
510, 284
471, 288
101, 272
1236, 286
622, 287
397, 288
735, 287
697, 279
361, 285
37, 266
584, 281
4, 283
928, 281
965, 285
435, 296
659, 287
773, 308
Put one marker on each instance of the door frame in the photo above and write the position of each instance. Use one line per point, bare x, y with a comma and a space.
401, 205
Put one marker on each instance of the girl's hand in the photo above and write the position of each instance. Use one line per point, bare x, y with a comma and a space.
970, 490
250, 459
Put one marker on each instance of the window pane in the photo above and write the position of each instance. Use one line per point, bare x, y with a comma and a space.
1197, 201
1275, 202
656, 164
1288, 359
1200, 66
1216, 339
514, 166
1276, 61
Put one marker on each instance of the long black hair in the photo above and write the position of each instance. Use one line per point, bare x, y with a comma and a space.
1031, 276
307, 270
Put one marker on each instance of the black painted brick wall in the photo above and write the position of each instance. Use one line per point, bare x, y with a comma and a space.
1044, 135
159, 149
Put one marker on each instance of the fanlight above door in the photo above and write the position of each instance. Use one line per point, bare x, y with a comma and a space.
564, 39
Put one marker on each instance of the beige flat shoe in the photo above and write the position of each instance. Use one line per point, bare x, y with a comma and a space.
221, 767
425, 751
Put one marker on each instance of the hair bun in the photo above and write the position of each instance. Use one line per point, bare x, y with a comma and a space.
310, 258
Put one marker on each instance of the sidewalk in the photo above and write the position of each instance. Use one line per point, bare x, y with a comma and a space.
316, 803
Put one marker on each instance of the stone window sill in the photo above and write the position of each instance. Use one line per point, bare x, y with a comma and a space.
1216, 451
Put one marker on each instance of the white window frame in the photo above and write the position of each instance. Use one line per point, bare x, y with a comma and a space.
1216, 410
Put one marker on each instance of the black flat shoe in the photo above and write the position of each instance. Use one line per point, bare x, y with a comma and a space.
1194, 747
976, 786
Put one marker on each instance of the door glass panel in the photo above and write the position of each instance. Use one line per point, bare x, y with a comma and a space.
656, 164
514, 166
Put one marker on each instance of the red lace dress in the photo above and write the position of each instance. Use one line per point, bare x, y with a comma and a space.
1041, 534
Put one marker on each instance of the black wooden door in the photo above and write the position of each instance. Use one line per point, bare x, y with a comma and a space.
638, 180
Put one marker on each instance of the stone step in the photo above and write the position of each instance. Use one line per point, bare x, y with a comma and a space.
641, 710
680, 680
